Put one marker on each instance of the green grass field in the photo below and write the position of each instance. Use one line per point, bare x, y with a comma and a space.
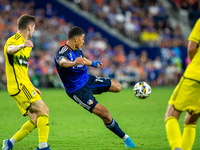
73, 128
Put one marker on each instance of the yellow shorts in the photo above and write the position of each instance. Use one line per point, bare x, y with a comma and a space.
26, 97
186, 96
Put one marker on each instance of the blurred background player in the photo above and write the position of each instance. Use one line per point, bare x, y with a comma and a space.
17, 51
186, 98
80, 86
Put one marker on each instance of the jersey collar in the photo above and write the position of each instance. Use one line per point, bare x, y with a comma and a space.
69, 47
20, 36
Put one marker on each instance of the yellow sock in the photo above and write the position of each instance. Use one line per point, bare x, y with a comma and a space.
25, 130
188, 136
173, 132
43, 128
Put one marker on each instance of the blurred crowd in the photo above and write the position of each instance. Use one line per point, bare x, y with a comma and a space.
191, 6
144, 21
51, 32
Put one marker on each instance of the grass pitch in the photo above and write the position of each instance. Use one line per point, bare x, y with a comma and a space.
74, 128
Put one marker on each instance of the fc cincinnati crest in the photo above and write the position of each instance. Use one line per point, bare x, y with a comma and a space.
90, 102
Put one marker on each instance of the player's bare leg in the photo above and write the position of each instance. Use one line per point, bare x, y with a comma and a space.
111, 124
39, 113
189, 132
115, 86
103, 113
38, 108
172, 127
171, 111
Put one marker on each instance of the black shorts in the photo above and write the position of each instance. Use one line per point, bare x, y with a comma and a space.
84, 96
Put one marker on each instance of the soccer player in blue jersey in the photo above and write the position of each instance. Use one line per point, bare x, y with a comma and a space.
80, 86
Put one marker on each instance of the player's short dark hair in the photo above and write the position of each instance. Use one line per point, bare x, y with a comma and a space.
24, 21
75, 31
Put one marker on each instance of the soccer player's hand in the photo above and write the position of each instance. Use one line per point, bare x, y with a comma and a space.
97, 64
28, 43
38, 91
79, 60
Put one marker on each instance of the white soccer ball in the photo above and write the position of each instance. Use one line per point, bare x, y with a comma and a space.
142, 90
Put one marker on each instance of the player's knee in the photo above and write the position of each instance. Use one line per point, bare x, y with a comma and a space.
191, 119
105, 115
47, 110
166, 116
44, 110
187, 122
119, 87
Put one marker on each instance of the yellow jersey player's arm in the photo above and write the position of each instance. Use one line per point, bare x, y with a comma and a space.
192, 49
12, 49
194, 40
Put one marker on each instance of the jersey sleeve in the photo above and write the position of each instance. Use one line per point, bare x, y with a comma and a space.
194, 35
11, 41
63, 52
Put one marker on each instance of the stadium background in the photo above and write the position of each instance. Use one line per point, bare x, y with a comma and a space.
135, 40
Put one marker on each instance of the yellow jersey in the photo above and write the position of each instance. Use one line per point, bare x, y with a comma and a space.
16, 64
193, 69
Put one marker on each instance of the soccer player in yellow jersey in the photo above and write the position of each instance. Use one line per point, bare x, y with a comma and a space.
186, 98
17, 51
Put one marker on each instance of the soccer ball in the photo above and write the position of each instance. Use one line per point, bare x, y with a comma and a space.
142, 90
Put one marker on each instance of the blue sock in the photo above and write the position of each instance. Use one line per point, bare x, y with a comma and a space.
113, 126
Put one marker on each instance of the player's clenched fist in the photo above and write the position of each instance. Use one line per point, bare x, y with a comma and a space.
28, 43
79, 60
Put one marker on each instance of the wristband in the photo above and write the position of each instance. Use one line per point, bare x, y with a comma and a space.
95, 63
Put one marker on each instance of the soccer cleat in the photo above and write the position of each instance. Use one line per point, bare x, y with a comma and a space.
128, 142
46, 148
7, 145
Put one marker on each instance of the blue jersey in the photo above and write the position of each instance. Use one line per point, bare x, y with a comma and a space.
73, 78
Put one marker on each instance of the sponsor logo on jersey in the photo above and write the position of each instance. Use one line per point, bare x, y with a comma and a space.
20, 60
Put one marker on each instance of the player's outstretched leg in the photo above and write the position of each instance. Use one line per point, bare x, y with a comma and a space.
114, 127
7, 145
28, 127
111, 124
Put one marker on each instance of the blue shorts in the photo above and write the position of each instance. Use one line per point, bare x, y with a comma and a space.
84, 95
